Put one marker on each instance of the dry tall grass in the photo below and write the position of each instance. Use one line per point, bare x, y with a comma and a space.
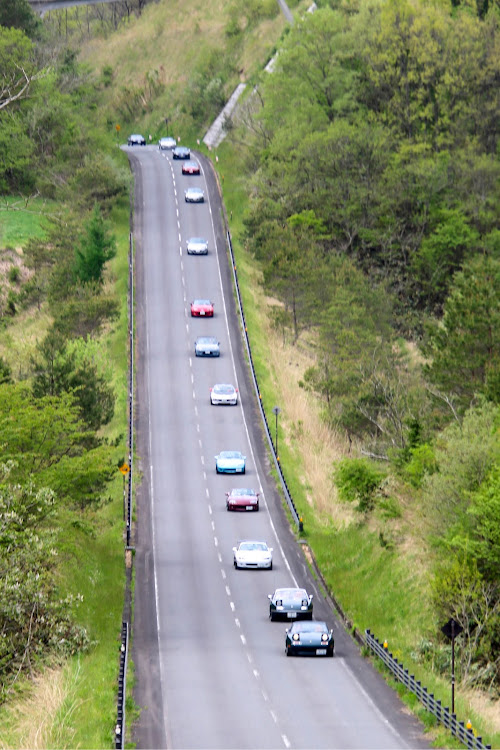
32, 719
317, 446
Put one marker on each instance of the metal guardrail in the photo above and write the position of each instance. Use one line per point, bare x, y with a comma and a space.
442, 713
277, 464
120, 721
130, 388
122, 687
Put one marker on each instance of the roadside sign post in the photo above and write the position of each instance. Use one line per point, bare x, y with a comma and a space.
451, 629
125, 470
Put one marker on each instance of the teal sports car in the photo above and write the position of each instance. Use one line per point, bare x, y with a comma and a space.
312, 638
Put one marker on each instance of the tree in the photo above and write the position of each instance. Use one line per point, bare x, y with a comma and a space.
19, 14
465, 454
97, 246
479, 536
49, 445
17, 66
459, 591
34, 620
441, 253
58, 372
464, 348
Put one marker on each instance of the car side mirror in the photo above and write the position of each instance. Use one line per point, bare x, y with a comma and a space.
234, 549
270, 549
227, 494
311, 596
269, 596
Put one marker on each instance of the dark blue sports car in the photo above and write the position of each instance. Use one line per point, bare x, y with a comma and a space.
309, 637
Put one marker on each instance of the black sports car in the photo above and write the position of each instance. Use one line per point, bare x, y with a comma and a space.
290, 604
136, 140
181, 152
311, 638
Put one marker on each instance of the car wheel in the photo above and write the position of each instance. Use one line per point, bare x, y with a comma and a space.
257, 507
235, 565
271, 616
330, 653
227, 506
288, 652
310, 616
217, 470
271, 567
244, 471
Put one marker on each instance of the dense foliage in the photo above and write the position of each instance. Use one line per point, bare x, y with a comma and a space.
374, 212
54, 460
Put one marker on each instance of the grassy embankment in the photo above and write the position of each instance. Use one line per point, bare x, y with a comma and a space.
74, 705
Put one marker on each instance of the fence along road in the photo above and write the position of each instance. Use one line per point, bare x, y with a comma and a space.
210, 667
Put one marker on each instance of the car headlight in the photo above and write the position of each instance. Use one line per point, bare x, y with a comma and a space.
324, 637
296, 637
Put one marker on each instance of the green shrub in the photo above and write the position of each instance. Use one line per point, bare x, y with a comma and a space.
422, 462
14, 274
357, 480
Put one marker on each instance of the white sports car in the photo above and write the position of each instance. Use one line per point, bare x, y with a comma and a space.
250, 554
194, 195
197, 246
223, 393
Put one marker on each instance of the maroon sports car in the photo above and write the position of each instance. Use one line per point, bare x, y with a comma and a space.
242, 499
190, 167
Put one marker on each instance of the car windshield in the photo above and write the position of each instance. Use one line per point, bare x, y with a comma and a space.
202, 302
197, 241
310, 627
253, 547
242, 492
207, 340
230, 454
197, 191
223, 388
291, 594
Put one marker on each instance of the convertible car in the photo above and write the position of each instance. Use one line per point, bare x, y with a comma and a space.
181, 152
250, 554
203, 308
313, 638
242, 499
230, 462
290, 604
206, 346
191, 167
194, 195
223, 393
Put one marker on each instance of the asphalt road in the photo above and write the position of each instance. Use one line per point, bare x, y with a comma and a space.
211, 671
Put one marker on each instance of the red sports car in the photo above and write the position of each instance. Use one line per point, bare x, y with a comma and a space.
190, 167
242, 499
202, 308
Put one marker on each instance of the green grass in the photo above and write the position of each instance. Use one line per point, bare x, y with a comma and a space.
20, 221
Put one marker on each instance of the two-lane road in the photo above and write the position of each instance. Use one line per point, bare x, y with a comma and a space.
211, 669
